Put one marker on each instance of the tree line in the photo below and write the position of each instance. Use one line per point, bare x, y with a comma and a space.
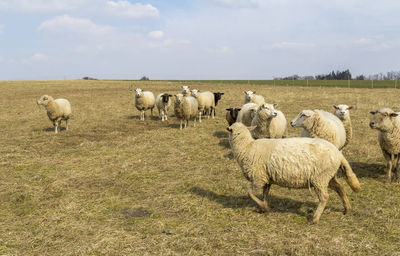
345, 75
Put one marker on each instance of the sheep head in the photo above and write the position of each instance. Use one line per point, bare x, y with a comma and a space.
342, 111
301, 119
382, 119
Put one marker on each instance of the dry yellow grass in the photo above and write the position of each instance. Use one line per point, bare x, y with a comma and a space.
113, 185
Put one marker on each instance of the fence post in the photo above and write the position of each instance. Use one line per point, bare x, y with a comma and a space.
372, 83
395, 84
307, 82
348, 83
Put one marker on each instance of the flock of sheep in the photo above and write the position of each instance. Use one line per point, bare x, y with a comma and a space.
258, 138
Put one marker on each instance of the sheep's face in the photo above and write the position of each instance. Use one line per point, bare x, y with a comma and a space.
178, 98
342, 111
248, 95
233, 112
382, 119
44, 100
269, 110
138, 92
217, 97
185, 90
238, 129
194, 92
165, 97
301, 118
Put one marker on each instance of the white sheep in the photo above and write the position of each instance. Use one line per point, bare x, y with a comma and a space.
163, 102
57, 110
321, 124
343, 113
206, 102
387, 122
268, 122
144, 100
185, 90
252, 97
247, 113
185, 108
291, 163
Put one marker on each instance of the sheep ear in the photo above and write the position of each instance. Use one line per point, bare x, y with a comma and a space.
254, 92
373, 112
250, 128
169, 95
335, 107
222, 93
229, 109
393, 114
238, 109
244, 92
275, 105
229, 129
351, 107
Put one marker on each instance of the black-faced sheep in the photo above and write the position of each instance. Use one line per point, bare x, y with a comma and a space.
163, 102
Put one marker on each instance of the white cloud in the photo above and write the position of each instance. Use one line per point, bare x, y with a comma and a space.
156, 34
67, 24
235, 3
289, 45
375, 44
127, 10
37, 57
222, 49
32, 6
1, 29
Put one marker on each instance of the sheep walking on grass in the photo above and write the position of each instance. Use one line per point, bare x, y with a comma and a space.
343, 113
144, 100
185, 108
291, 163
247, 113
321, 124
57, 110
268, 122
163, 102
252, 97
387, 122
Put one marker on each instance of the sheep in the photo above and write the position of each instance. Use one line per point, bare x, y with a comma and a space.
144, 100
205, 102
163, 103
185, 108
321, 124
185, 90
268, 122
252, 97
291, 163
247, 113
343, 113
231, 114
57, 110
387, 122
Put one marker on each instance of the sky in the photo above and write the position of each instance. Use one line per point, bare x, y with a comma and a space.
198, 39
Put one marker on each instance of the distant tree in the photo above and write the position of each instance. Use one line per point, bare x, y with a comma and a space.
360, 77
144, 78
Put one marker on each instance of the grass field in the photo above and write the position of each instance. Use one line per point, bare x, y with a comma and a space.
113, 185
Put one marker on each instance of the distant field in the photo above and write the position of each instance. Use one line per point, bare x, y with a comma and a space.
313, 83
113, 185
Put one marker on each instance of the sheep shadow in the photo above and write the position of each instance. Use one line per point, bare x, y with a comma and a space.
223, 136
368, 170
51, 129
174, 125
277, 204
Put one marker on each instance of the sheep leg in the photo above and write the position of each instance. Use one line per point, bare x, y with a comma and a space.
264, 207
199, 116
265, 196
389, 167
180, 127
66, 124
56, 126
396, 168
212, 113
335, 185
323, 199
194, 122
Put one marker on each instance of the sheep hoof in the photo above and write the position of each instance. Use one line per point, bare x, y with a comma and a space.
264, 209
313, 221
346, 211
